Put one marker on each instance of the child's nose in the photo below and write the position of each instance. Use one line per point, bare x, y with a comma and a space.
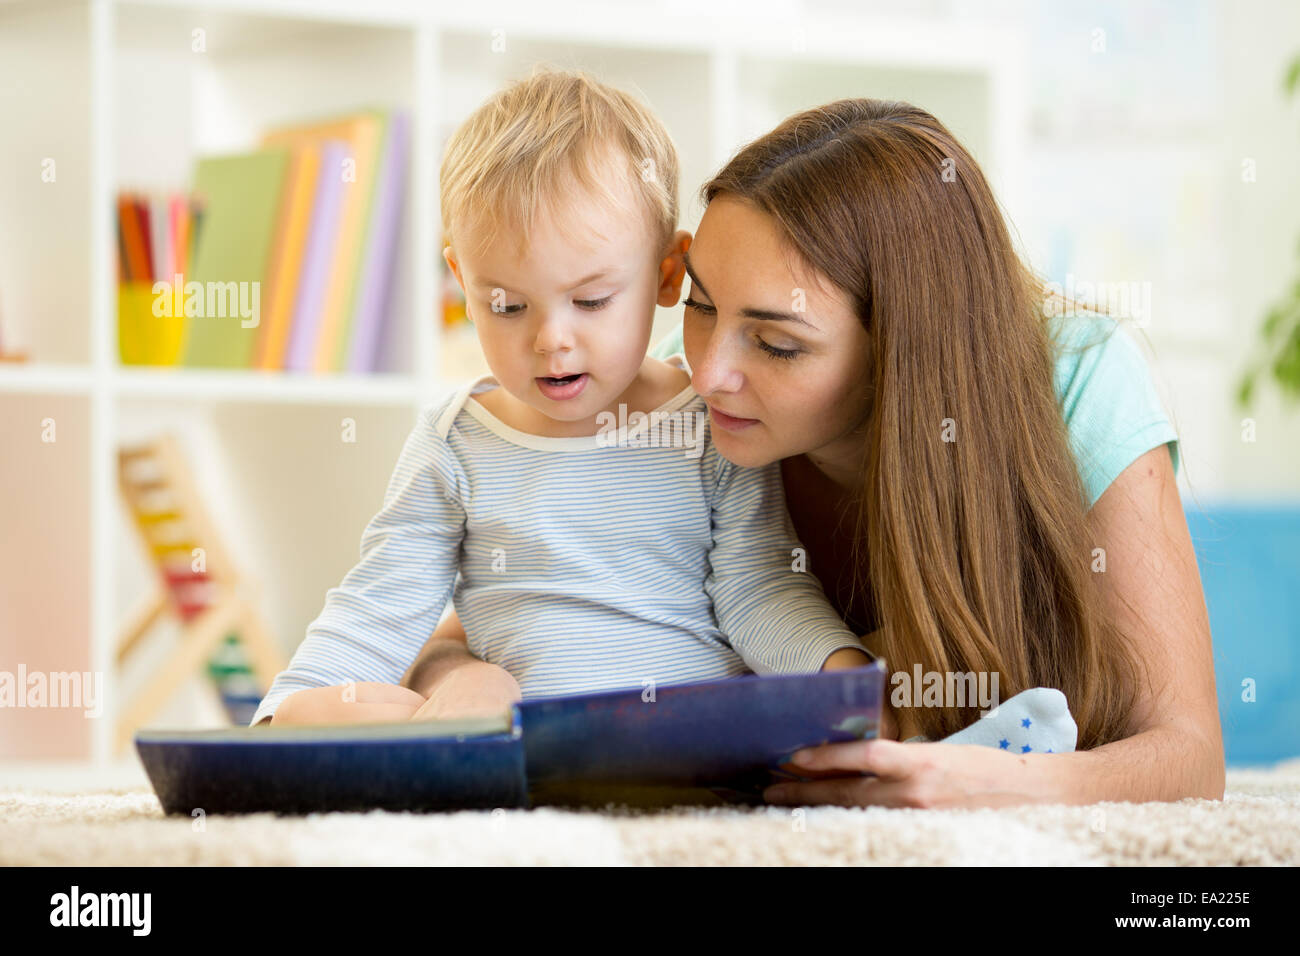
553, 335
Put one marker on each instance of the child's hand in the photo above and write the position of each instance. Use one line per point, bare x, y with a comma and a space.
476, 689
360, 702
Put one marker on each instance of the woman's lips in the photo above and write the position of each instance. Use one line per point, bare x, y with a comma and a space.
730, 422
561, 390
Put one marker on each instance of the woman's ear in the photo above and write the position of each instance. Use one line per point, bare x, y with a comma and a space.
672, 269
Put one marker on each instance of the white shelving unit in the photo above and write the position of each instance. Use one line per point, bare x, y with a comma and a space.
120, 95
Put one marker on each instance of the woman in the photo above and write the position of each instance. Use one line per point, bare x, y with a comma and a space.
858, 313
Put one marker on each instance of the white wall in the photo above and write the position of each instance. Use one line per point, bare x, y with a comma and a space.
1259, 39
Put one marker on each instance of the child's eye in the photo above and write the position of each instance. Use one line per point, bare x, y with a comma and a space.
777, 353
699, 306
592, 305
506, 309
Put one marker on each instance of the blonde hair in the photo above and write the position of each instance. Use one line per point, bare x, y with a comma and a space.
545, 138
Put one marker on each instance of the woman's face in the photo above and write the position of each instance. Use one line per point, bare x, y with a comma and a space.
775, 350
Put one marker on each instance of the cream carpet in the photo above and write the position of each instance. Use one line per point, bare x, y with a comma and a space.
1257, 823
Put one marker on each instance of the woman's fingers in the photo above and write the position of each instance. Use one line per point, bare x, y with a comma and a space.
866, 773
884, 758
923, 775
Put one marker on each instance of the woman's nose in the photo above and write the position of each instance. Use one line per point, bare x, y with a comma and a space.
716, 369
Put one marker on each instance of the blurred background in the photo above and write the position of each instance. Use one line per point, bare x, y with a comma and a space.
175, 501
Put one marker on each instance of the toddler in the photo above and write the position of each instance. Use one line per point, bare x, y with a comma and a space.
571, 503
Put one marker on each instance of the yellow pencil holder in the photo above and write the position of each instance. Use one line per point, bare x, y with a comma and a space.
142, 337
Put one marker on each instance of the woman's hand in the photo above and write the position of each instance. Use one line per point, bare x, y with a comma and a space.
921, 775
1177, 751
474, 689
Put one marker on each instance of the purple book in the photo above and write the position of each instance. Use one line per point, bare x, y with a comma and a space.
321, 239
377, 270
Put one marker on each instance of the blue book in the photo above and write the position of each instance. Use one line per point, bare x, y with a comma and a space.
713, 742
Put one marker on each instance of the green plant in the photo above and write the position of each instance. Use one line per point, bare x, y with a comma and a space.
1280, 330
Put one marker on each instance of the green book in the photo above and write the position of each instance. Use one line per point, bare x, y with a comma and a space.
241, 196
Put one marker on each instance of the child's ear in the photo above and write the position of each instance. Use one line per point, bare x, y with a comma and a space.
449, 255
672, 269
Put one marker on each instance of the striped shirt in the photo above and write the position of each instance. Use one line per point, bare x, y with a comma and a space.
632, 558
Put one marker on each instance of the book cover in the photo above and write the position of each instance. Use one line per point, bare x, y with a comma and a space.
287, 258
358, 350
362, 132
711, 742
442, 765
322, 234
241, 196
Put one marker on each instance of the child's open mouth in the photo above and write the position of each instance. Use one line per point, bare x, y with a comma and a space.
563, 387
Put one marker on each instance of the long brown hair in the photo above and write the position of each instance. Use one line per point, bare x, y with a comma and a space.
971, 541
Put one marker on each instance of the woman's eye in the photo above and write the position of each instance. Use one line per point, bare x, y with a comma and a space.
699, 306
777, 353
592, 304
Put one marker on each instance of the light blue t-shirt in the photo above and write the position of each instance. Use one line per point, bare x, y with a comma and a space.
1112, 410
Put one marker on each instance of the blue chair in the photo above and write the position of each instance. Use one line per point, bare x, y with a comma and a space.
1249, 556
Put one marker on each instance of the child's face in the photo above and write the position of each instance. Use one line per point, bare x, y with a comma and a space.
564, 323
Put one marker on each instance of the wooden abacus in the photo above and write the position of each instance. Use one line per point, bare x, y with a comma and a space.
197, 581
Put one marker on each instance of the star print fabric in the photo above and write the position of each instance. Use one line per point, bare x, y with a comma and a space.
1034, 721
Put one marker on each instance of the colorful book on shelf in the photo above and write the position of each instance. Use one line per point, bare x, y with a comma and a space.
317, 256
292, 229
712, 742
363, 133
359, 352
242, 200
